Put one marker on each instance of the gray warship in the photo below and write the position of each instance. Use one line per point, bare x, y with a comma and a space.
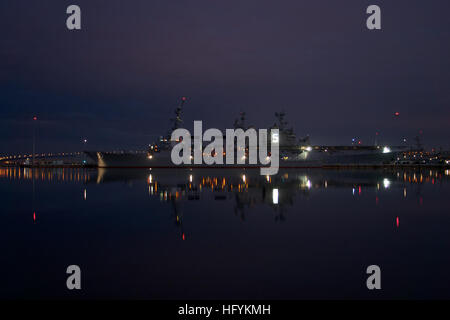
294, 152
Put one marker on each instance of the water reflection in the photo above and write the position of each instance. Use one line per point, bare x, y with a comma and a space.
248, 189
236, 227
245, 188
46, 174
191, 183
107, 175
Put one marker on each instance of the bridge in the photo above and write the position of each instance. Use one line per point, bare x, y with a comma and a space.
45, 159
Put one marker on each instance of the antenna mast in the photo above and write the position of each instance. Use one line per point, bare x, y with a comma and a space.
177, 121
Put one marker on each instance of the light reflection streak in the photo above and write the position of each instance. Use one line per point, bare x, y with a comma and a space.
46, 174
275, 196
247, 189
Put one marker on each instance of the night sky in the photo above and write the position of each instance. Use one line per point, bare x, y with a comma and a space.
117, 81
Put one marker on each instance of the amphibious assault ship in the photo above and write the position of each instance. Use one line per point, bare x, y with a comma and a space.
294, 152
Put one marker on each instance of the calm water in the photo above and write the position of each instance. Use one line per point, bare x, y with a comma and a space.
181, 234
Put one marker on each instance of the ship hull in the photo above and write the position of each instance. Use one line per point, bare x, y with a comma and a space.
310, 159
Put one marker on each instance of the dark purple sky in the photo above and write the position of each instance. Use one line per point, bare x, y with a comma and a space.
118, 80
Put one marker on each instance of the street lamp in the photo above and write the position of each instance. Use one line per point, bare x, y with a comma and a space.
34, 138
84, 147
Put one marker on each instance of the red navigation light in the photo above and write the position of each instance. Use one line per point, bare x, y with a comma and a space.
183, 237
397, 114
34, 216
398, 222
183, 98
34, 118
